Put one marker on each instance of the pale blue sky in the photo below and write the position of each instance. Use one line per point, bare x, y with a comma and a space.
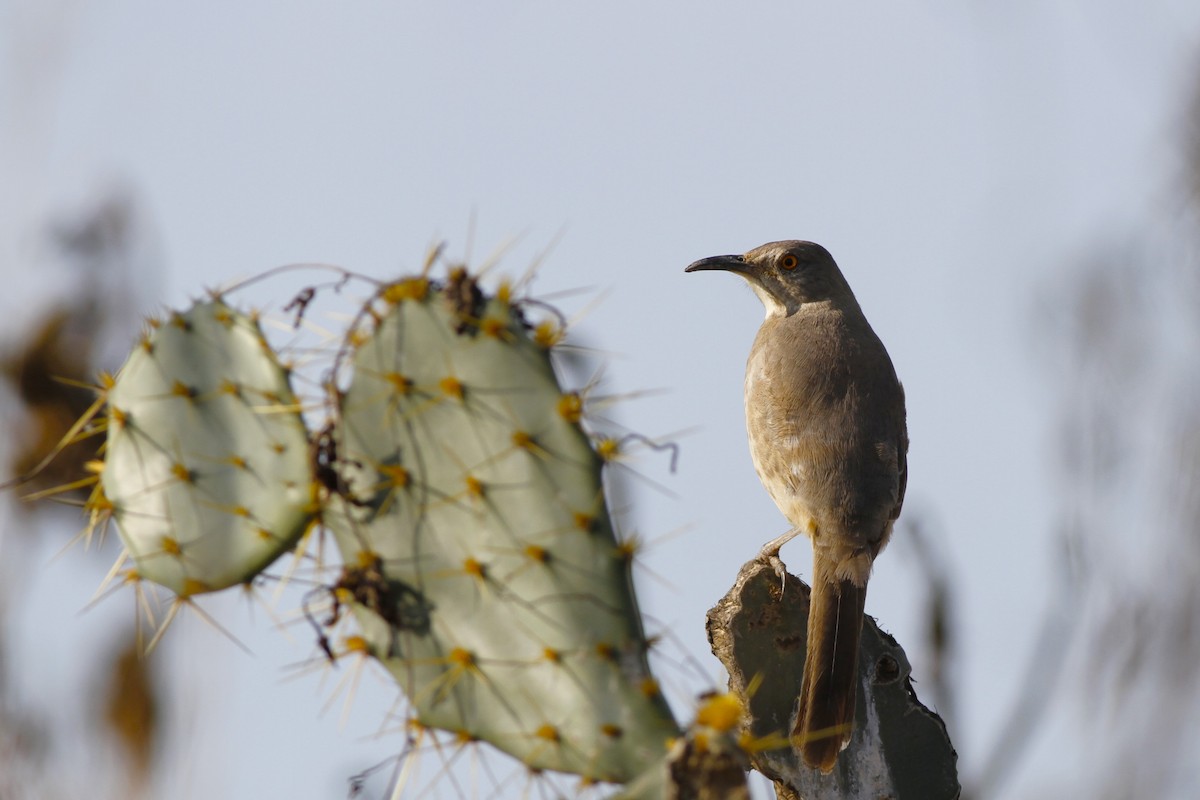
953, 157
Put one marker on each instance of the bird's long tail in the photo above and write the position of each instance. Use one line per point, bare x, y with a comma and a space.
827, 693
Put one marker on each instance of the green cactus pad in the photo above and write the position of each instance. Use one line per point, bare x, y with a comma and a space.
483, 565
206, 466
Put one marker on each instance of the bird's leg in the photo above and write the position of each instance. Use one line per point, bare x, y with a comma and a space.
770, 554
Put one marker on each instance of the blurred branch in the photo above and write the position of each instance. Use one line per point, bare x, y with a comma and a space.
1037, 689
1125, 328
131, 711
83, 291
941, 631
51, 369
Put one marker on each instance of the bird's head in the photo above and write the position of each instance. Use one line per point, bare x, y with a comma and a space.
785, 275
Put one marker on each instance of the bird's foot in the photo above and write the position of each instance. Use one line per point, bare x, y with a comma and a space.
770, 554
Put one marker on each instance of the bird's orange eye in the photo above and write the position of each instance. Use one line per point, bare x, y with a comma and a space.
789, 261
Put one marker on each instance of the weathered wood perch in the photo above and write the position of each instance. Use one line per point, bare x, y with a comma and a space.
899, 750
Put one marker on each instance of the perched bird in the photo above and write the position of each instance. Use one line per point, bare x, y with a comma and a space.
826, 421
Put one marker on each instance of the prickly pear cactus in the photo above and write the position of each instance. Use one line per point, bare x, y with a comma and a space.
482, 564
206, 469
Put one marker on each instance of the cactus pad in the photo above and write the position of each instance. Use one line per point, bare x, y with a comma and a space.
482, 563
207, 469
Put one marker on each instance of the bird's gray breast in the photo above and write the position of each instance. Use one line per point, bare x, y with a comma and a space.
821, 415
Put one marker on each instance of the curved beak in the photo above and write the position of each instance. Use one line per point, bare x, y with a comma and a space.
728, 263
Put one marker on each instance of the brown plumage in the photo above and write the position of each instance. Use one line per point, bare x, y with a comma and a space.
826, 422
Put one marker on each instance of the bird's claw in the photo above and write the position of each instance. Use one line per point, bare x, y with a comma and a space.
780, 569
770, 554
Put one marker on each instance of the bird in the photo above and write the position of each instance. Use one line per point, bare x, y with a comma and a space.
826, 422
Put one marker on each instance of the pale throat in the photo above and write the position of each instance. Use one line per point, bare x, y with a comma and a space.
774, 307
